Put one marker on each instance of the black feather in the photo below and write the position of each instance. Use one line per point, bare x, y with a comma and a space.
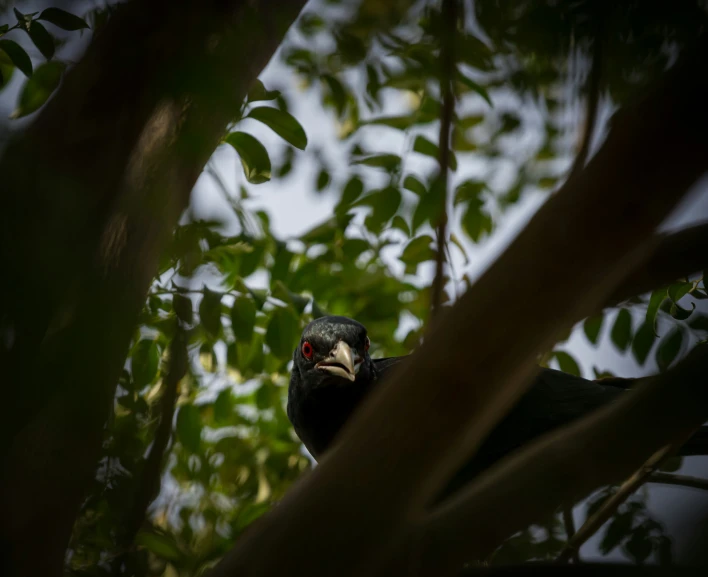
319, 405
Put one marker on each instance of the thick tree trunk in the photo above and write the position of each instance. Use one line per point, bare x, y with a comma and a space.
91, 193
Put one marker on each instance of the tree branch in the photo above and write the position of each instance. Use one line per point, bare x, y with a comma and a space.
447, 110
610, 506
412, 433
105, 170
679, 480
564, 466
152, 469
675, 255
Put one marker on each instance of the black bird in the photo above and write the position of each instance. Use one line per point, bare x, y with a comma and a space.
333, 372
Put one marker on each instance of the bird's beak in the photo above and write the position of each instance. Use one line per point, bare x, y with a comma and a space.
341, 362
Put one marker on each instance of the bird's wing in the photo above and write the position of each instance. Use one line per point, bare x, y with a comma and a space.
382, 366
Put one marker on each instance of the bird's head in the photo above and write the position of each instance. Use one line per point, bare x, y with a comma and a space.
333, 351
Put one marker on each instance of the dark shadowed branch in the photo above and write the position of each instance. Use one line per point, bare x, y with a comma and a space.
564, 467
673, 256
679, 480
152, 470
610, 506
105, 170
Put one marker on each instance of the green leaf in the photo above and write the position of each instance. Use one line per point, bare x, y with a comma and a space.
655, 301
643, 342
567, 363
678, 290
352, 191
243, 318
7, 69
400, 223
430, 208
476, 222
254, 156
616, 532
621, 333
413, 184
425, 146
145, 362
189, 428
182, 306
680, 313
470, 191
41, 39
210, 312
475, 87
417, 251
283, 332
639, 546
389, 162
259, 92
282, 123
39, 87
592, 327
397, 122
223, 406
699, 322
161, 544
62, 19
18, 55
323, 180
668, 349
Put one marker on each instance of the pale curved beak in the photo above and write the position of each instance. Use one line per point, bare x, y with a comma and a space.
342, 362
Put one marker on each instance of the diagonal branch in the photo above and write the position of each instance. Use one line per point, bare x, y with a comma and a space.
675, 255
564, 466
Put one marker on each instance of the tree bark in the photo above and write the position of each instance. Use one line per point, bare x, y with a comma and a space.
91, 193
413, 432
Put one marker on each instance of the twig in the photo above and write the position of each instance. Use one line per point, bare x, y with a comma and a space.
679, 480
569, 523
152, 469
609, 507
447, 74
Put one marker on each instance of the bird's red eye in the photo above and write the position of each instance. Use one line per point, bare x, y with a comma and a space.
307, 350
367, 344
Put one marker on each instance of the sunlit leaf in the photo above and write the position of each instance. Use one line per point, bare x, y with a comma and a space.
567, 363
282, 123
254, 156
39, 87
161, 544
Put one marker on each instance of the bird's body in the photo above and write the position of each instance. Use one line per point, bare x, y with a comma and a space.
333, 373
